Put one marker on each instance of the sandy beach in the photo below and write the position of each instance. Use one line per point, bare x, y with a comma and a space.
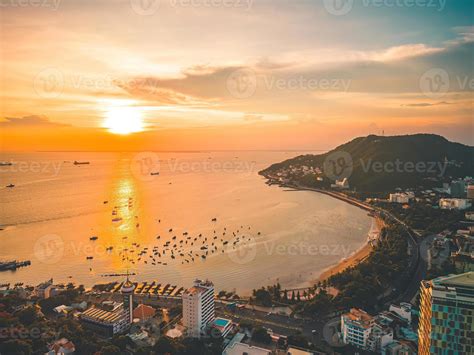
359, 256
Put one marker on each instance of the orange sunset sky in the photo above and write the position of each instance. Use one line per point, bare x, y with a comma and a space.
191, 75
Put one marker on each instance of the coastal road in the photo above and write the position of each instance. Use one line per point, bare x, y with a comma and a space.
419, 260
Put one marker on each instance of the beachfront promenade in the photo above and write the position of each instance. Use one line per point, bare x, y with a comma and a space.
418, 264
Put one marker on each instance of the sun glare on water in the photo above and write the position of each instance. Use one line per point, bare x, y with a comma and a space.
123, 120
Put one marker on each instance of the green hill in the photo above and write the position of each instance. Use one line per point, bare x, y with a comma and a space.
378, 163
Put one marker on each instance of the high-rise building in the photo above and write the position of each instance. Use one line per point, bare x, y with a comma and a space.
127, 291
198, 307
446, 324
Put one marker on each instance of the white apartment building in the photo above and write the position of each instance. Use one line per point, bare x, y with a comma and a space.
356, 327
454, 204
364, 331
401, 197
198, 307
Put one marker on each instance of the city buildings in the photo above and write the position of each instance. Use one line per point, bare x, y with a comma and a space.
61, 347
242, 348
198, 307
356, 327
127, 292
143, 312
105, 322
377, 333
341, 184
454, 204
403, 310
401, 197
470, 192
116, 318
446, 324
224, 326
45, 289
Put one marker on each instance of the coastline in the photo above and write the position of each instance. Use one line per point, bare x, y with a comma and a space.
357, 257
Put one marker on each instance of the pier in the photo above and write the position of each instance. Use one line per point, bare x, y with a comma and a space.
13, 265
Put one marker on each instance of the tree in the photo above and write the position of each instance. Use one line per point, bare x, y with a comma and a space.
260, 335
15, 346
164, 345
110, 350
27, 316
263, 297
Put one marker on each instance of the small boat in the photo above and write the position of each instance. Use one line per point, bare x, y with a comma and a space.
116, 219
5, 163
94, 237
10, 185
154, 173
89, 257
76, 162
106, 202
214, 220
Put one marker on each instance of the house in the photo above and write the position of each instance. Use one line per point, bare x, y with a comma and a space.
143, 312
61, 347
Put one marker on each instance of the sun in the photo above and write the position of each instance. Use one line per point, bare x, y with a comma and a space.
123, 120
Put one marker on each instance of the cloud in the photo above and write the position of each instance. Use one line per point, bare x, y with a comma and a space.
426, 104
252, 118
29, 121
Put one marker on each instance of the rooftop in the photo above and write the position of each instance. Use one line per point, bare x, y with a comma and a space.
462, 280
360, 317
103, 316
